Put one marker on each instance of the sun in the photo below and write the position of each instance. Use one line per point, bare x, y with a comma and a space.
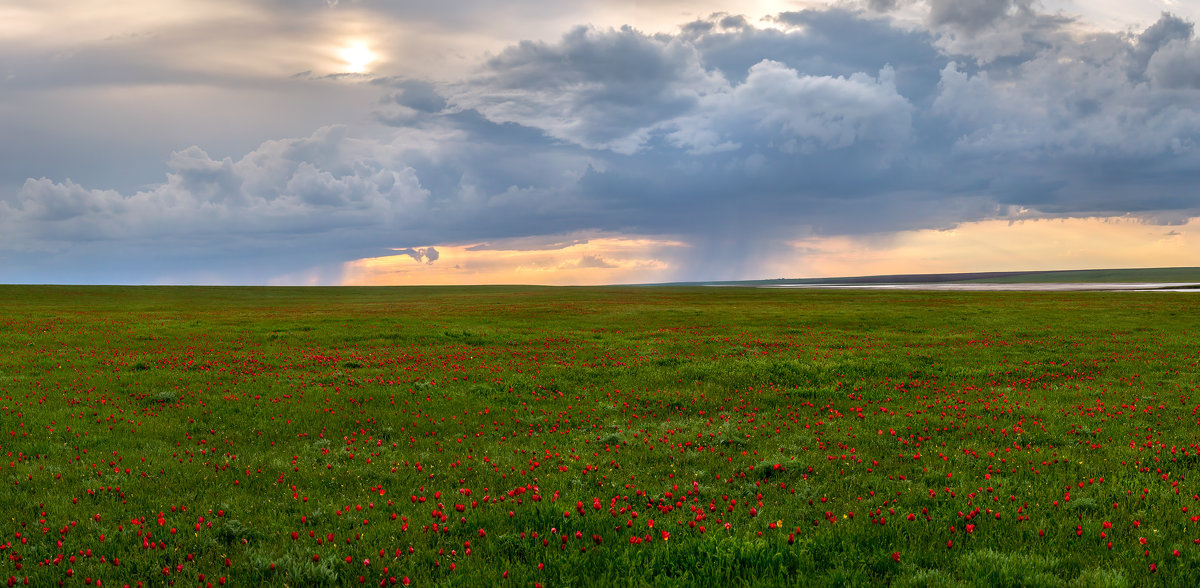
357, 57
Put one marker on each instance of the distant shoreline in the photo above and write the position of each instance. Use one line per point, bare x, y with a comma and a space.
1186, 278
1008, 287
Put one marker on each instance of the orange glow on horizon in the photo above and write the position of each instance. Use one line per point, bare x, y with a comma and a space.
995, 245
594, 261
1001, 245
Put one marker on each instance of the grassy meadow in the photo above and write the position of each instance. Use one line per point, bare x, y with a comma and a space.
496, 436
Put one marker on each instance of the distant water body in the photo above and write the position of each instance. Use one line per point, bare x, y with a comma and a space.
1030, 287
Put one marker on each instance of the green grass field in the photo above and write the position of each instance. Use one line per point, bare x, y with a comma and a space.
597, 436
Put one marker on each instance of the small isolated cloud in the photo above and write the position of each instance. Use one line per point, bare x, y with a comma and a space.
590, 261
426, 255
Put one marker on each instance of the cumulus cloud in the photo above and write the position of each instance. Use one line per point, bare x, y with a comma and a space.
1168, 29
974, 15
323, 187
733, 21
777, 108
598, 89
1176, 65
882, 5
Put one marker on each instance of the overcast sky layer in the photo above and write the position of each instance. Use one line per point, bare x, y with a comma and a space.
327, 141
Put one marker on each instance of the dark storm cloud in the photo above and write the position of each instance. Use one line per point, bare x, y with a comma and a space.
1168, 29
732, 138
1170, 53
600, 89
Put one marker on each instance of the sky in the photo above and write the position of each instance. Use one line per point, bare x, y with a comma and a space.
592, 141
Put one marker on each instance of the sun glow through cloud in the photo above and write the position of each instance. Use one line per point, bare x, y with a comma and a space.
357, 57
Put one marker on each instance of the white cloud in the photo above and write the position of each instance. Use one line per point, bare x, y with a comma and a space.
312, 185
776, 107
